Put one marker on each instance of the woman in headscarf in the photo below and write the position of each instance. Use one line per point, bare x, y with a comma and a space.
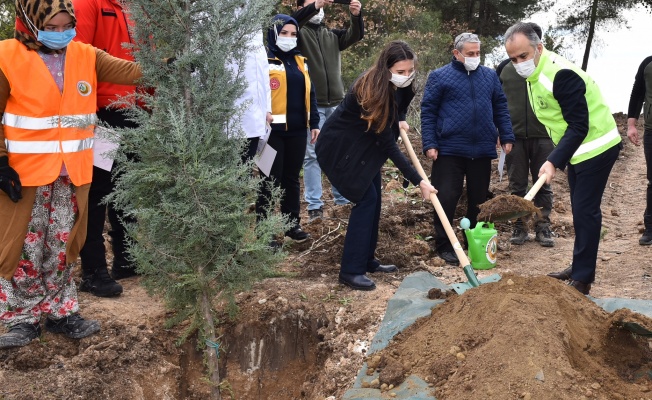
294, 109
47, 103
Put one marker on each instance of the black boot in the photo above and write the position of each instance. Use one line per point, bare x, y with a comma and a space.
73, 326
20, 335
100, 284
119, 272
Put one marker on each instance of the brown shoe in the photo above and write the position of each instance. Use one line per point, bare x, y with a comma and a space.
563, 275
582, 287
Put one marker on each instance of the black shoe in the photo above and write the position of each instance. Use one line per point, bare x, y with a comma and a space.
275, 246
315, 215
20, 335
519, 236
357, 282
73, 326
544, 237
646, 239
563, 275
582, 287
119, 272
100, 284
384, 268
449, 257
297, 234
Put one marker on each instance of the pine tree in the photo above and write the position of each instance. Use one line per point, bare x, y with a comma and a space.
182, 178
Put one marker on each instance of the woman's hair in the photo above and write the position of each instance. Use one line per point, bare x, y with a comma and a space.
375, 92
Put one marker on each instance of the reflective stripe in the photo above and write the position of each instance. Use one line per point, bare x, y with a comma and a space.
33, 123
279, 119
48, 147
547, 83
594, 144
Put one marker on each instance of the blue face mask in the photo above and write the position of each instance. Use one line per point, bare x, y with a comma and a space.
56, 40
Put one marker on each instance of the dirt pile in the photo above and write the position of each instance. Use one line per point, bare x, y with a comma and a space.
531, 338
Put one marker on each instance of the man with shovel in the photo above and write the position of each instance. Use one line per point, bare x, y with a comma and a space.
569, 103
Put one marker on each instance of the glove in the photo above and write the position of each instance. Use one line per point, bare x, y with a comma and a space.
9, 180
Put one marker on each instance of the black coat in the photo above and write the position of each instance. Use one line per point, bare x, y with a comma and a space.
351, 157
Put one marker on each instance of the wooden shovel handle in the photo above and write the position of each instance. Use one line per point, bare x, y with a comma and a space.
535, 188
464, 261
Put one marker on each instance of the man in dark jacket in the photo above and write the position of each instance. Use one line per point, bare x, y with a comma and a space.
463, 105
322, 47
532, 148
642, 93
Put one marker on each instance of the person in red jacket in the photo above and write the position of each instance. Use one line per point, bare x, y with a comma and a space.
105, 25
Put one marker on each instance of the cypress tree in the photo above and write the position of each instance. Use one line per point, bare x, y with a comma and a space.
181, 174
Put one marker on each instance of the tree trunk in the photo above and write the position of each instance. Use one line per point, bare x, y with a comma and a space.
589, 37
212, 361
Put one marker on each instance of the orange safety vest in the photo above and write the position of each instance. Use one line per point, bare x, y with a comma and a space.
43, 127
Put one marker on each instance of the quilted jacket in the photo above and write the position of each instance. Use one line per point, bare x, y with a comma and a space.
461, 111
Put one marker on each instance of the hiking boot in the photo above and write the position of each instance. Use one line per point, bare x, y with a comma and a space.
20, 335
315, 215
100, 284
73, 326
118, 272
449, 256
646, 239
544, 237
275, 246
297, 234
519, 236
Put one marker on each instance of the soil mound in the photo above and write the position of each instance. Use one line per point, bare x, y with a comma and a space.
531, 338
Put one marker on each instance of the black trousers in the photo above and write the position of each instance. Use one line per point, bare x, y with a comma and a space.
285, 171
647, 150
525, 159
587, 181
448, 173
93, 254
362, 232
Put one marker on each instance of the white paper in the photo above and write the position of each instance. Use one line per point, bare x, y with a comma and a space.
501, 165
265, 159
104, 148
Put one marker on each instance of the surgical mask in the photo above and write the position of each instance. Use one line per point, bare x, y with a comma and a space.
526, 68
471, 63
318, 17
286, 43
56, 40
402, 81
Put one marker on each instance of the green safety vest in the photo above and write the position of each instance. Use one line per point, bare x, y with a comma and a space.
603, 132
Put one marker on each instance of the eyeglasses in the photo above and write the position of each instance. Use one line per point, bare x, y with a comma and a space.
463, 38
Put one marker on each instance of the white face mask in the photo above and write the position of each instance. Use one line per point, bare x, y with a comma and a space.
402, 81
526, 68
471, 63
286, 44
318, 17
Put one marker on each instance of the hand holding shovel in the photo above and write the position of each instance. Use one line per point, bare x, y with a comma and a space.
468, 270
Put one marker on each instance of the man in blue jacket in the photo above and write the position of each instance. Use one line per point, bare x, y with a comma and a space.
463, 114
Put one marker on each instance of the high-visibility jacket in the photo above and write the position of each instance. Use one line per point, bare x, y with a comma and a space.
44, 127
603, 133
279, 87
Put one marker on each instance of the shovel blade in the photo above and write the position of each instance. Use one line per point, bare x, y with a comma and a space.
636, 329
462, 287
508, 216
